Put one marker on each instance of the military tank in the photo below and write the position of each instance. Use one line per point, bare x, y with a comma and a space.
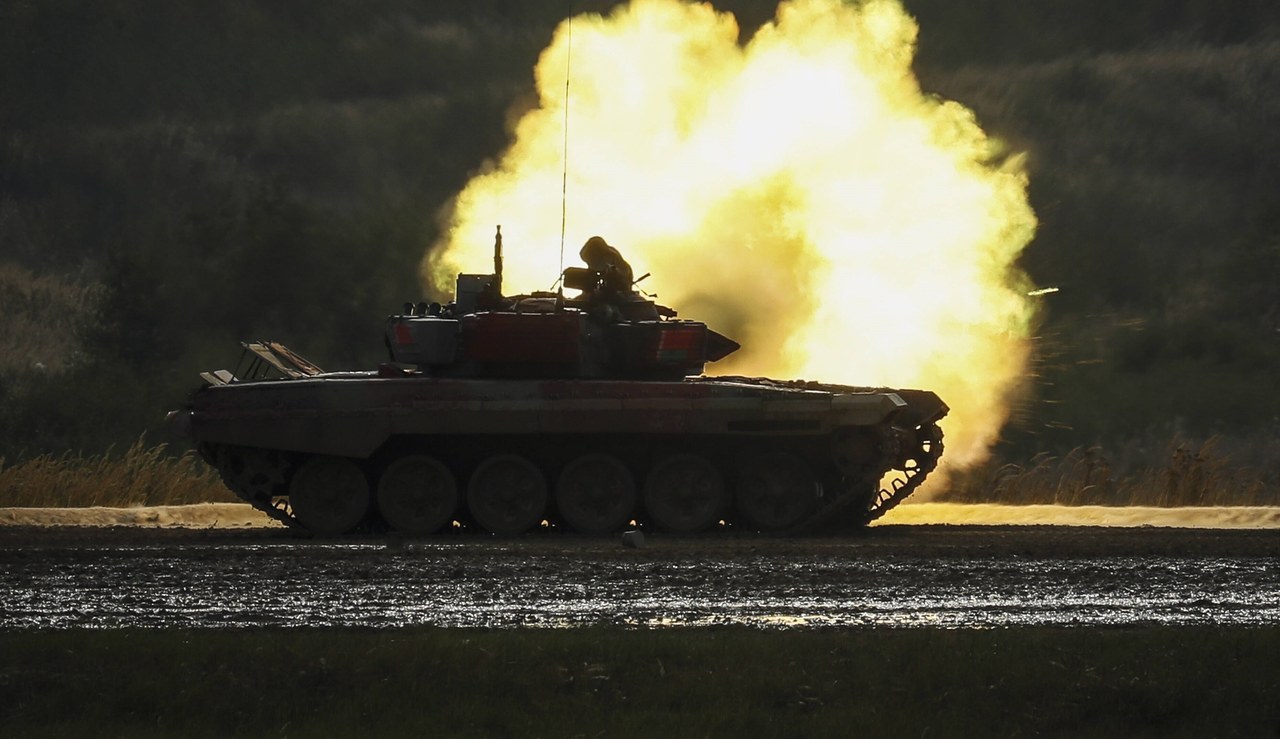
588, 413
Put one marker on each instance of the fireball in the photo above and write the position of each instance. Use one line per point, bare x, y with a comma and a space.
797, 191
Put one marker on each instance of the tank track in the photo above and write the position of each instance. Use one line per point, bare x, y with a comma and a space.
850, 509
254, 478
900, 488
277, 511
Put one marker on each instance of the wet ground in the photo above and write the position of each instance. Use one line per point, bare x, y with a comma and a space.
898, 576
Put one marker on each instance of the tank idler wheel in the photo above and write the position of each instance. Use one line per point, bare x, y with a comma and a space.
685, 494
596, 494
329, 495
776, 491
253, 474
417, 494
507, 495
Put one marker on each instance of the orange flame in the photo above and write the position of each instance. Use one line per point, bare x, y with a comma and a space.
798, 192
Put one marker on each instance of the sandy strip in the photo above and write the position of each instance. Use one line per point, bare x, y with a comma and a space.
199, 516
986, 514
240, 515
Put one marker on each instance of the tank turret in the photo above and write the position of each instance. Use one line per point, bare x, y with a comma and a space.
608, 330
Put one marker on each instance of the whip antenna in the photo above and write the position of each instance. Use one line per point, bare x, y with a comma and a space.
564, 173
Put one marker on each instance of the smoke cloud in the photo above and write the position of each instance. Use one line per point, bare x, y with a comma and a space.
797, 191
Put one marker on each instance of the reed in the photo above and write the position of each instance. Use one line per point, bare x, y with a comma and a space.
1212, 472
145, 475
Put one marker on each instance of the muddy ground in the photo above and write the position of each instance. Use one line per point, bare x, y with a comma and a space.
938, 540
895, 576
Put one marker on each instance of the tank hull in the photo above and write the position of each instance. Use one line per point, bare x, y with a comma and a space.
335, 452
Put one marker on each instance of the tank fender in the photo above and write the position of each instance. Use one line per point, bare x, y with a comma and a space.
865, 409
355, 435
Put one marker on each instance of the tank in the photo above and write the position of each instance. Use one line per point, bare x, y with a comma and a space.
585, 413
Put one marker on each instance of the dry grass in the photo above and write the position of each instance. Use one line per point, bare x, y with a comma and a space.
1215, 472
143, 476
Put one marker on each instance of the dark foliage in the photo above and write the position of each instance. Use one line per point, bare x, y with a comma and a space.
236, 170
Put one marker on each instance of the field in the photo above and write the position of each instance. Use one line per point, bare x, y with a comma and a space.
1157, 682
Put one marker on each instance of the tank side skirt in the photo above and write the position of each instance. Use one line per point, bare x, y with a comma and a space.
354, 424
355, 418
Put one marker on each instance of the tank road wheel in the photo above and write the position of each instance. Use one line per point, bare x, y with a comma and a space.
329, 495
417, 494
684, 493
596, 494
507, 495
775, 491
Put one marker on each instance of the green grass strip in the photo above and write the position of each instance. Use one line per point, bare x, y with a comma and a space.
1133, 682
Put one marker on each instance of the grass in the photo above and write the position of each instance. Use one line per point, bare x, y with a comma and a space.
1135, 682
145, 475
1214, 472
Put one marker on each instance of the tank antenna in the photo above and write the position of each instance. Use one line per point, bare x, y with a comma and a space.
564, 173
497, 261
